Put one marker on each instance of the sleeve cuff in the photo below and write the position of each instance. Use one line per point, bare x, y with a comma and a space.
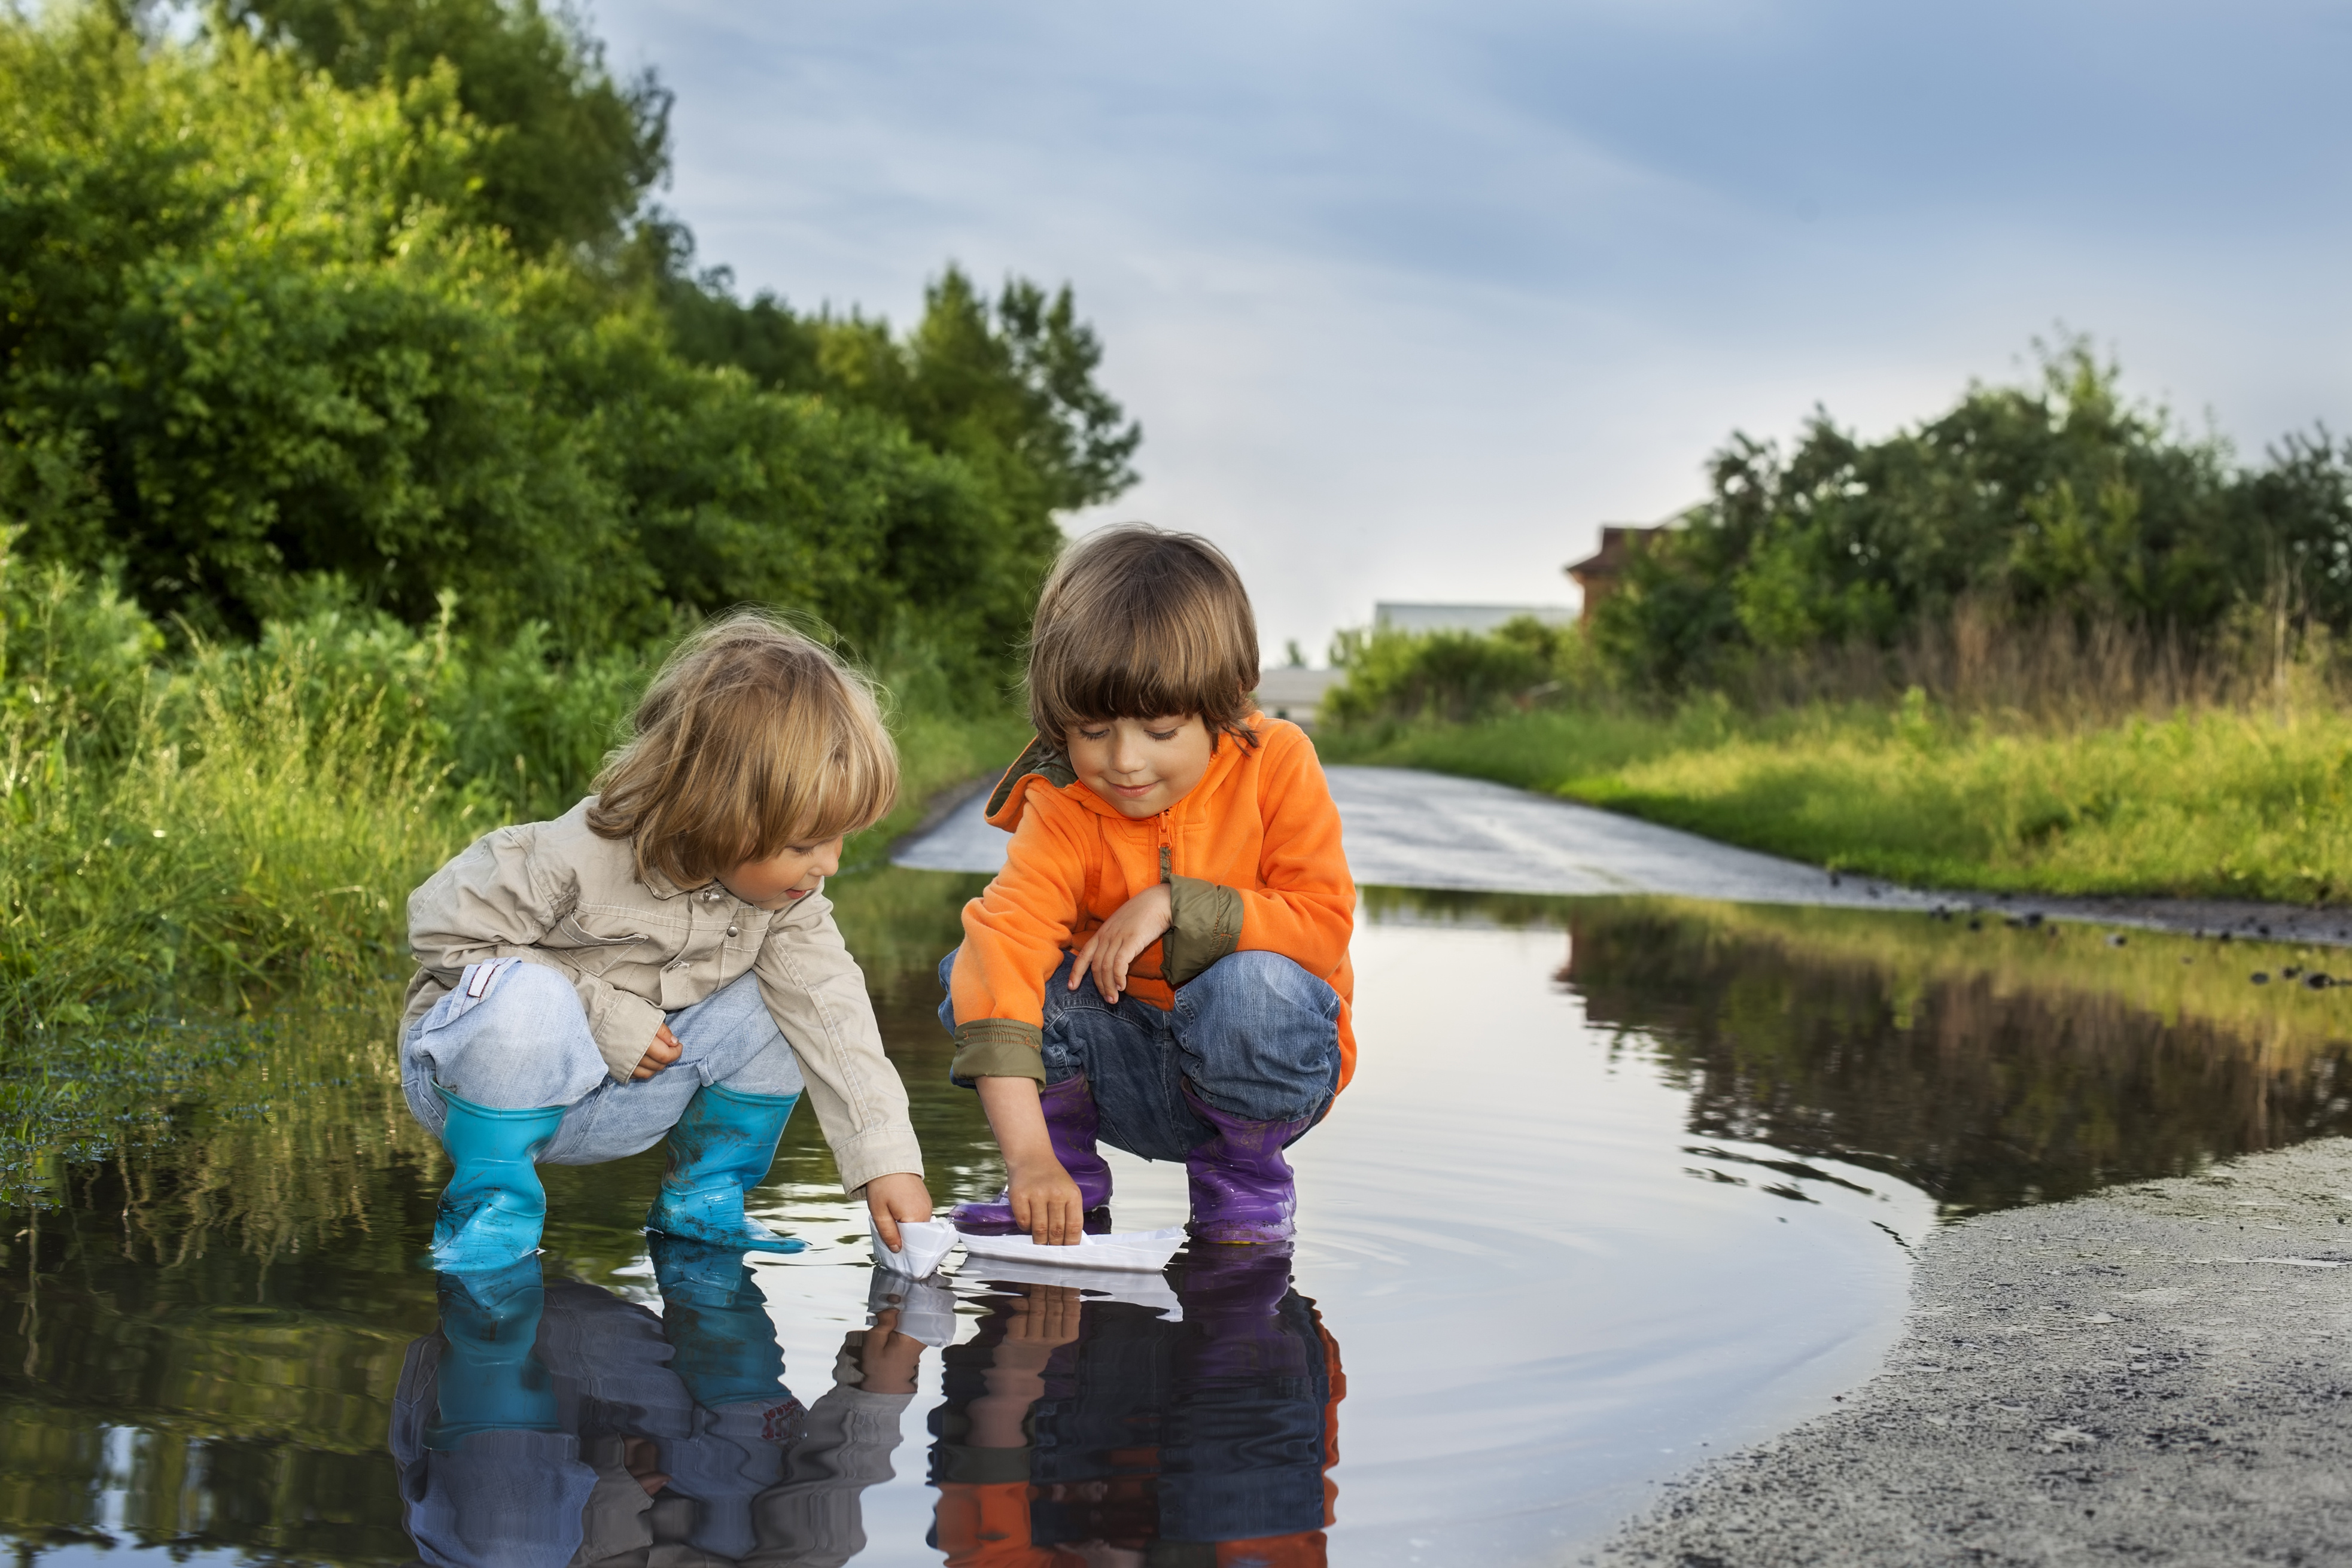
997, 1048
1205, 924
623, 1028
885, 1151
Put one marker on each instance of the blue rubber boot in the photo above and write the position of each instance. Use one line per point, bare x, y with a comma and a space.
722, 1343
488, 1380
721, 1148
492, 1209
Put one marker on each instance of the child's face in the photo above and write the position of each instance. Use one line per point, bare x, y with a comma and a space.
1141, 765
784, 878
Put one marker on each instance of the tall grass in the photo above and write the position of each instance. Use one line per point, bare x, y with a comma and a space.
192, 836
2047, 758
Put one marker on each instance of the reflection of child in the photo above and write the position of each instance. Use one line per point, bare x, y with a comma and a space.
1078, 1432
661, 961
1162, 963
558, 1424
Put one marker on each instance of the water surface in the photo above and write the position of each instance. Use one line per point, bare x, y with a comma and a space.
1619, 1182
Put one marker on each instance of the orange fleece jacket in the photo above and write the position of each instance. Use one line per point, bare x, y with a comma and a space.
1253, 863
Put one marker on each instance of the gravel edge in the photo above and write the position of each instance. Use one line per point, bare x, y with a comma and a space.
2156, 1374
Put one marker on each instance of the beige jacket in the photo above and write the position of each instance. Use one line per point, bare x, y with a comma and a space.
556, 894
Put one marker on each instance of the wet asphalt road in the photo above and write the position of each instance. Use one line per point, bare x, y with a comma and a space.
1405, 828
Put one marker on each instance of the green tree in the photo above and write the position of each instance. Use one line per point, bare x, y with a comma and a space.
565, 154
2056, 499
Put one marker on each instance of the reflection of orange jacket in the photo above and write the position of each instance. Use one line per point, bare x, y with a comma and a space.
1251, 857
985, 1524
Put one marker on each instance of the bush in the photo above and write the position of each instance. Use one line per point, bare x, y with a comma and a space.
1454, 677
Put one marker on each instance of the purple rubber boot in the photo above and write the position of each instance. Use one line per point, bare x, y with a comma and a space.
1071, 1120
1243, 1190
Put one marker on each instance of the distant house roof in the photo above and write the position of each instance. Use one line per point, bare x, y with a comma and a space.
1597, 573
1392, 616
1617, 541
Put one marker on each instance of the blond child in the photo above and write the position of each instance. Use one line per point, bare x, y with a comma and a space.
661, 960
1162, 965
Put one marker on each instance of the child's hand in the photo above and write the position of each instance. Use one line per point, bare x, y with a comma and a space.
1140, 922
664, 1051
1045, 1202
893, 1197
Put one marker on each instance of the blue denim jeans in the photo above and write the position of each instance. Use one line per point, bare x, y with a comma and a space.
1256, 1036
524, 1042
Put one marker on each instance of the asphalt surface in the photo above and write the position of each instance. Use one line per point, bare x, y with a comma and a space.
1404, 827
2159, 1373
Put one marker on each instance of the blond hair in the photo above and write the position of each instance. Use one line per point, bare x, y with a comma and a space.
752, 739
1139, 623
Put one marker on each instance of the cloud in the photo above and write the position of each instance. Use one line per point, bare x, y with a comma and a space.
1411, 297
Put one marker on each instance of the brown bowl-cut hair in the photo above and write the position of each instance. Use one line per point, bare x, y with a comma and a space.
752, 739
1139, 622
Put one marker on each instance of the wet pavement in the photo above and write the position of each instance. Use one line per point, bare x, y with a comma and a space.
1405, 828
1408, 828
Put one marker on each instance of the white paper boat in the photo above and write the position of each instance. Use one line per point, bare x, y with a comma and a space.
922, 1244
1142, 1249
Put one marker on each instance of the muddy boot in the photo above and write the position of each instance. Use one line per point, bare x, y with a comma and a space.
1071, 1120
1243, 1189
723, 1342
492, 1209
720, 1148
488, 1380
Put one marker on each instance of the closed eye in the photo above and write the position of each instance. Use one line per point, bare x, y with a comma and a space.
1161, 735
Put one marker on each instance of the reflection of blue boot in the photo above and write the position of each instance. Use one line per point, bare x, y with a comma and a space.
493, 1206
721, 1146
723, 1342
488, 1380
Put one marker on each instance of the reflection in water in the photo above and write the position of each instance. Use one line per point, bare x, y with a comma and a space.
1990, 1068
555, 1424
207, 1339
1100, 1432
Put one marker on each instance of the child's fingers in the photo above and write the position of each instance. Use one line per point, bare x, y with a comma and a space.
1082, 958
886, 1228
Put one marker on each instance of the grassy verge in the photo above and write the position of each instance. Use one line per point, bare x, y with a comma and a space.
186, 842
2213, 803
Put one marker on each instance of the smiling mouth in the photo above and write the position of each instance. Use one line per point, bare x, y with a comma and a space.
1136, 788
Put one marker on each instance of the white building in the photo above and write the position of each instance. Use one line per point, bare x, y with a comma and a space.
1389, 616
1294, 694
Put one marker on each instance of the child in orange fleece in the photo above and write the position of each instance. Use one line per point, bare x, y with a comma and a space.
1162, 963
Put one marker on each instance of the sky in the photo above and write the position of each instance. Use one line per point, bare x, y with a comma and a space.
1411, 297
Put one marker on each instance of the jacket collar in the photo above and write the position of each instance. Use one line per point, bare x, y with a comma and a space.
1051, 768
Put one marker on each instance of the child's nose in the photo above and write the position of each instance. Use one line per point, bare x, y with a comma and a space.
828, 857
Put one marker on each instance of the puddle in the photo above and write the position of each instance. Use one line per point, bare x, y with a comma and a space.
1619, 1184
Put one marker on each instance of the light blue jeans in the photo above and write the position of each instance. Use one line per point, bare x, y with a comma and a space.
524, 1042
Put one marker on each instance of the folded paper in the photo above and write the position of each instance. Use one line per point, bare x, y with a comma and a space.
1145, 1250
922, 1244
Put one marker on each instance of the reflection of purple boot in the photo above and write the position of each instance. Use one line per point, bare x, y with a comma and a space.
1232, 1300
1243, 1190
1071, 1120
